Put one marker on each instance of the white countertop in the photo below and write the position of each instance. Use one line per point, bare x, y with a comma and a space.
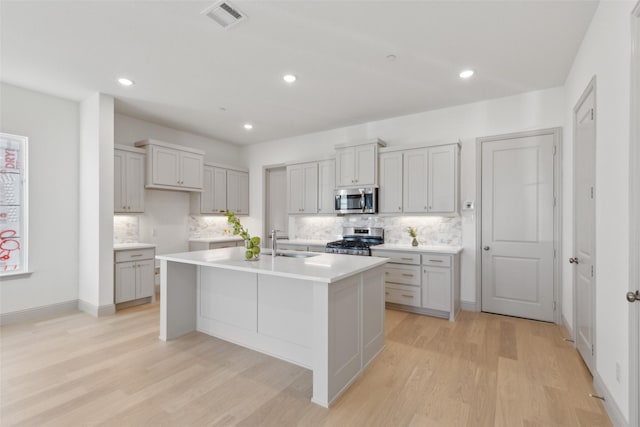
216, 239
326, 268
302, 242
128, 246
419, 249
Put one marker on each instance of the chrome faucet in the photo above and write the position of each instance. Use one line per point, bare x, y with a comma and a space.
274, 242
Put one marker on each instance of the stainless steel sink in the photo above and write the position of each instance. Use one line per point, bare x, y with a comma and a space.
295, 254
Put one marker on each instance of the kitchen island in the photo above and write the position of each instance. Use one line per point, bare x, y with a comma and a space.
324, 312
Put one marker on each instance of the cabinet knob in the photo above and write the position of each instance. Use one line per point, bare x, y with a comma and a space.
399, 208
124, 207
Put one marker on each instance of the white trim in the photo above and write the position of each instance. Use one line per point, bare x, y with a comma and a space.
146, 142
38, 313
567, 327
634, 220
469, 306
557, 217
617, 419
95, 311
591, 87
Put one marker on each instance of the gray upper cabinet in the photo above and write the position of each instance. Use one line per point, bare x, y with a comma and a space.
222, 189
173, 167
302, 188
326, 186
128, 173
422, 180
357, 166
390, 191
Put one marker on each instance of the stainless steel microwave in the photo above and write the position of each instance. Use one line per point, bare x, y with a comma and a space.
356, 201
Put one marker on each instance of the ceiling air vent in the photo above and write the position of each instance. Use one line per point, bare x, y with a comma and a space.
224, 14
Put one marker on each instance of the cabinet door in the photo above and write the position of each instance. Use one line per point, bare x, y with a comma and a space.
125, 282
326, 186
295, 189
144, 278
390, 191
134, 182
191, 170
206, 197
166, 166
119, 165
310, 197
345, 167
436, 288
238, 192
365, 165
414, 192
219, 190
442, 180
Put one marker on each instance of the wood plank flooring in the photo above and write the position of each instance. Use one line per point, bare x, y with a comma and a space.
482, 370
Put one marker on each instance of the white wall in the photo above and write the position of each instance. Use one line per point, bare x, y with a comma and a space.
52, 126
605, 53
529, 111
165, 221
95, 241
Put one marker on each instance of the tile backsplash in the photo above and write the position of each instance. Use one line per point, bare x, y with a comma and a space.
126, 229
432, 230
208, 226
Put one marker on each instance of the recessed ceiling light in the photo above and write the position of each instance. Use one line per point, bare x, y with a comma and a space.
125, 81
289, 78
248, 126
466, 74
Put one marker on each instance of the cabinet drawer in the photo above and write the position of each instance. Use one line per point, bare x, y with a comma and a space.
220, 245
405, 274
436, 260
398, 257
135, 255
290, 247
406, 295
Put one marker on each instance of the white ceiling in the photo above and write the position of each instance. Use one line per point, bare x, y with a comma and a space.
186, 67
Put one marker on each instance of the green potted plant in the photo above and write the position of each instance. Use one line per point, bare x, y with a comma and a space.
413, 232
251, 244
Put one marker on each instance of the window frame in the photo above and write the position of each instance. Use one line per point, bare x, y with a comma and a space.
24, 205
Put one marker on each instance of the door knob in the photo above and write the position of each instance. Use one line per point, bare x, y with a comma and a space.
573, 261
633, 296
486, 248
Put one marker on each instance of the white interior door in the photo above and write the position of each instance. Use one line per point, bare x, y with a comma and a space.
584, 225
518, 226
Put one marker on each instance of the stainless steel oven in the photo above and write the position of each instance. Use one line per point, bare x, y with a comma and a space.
356, 201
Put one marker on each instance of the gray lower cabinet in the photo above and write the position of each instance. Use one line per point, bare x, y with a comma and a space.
134, 275
425, 283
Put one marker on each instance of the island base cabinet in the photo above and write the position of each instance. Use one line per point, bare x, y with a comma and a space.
334, 329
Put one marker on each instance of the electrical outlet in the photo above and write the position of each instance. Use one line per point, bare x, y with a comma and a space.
617, 371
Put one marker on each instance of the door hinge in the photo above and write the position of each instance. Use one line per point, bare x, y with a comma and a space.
592, 114
554, 201
554, 306
554, 253
592, 271
554, 150
592, 350
592, 192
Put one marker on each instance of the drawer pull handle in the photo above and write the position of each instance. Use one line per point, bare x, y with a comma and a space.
137, 255
407, 259
407, 275
435, 260
407, 296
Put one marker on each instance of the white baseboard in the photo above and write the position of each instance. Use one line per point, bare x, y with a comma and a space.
37, 313
96, 311
617, 419
469, 306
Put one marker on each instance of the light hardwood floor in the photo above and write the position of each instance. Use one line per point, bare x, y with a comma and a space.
482, 370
